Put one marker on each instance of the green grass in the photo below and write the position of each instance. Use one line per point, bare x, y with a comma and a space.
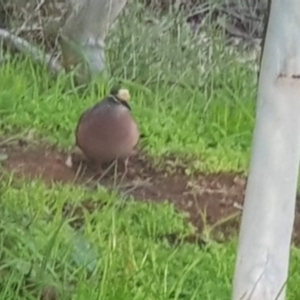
213, 124
118, 254
190, 94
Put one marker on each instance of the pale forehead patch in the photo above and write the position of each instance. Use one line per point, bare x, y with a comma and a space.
123, 94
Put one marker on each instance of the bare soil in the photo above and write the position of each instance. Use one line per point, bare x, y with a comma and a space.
211, 200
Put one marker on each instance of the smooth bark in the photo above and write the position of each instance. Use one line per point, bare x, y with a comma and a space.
83, 36
269, 210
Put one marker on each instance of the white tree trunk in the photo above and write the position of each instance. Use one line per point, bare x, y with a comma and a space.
83, 36
269, 211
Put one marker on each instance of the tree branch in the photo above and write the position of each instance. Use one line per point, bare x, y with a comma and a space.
34, 52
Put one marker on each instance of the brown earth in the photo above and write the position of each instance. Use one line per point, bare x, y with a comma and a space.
213, 202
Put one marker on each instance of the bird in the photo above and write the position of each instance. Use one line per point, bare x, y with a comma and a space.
108, 131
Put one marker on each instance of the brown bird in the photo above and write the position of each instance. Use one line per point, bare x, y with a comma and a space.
108, 131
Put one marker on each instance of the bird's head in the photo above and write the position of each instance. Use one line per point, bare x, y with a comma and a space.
121, 94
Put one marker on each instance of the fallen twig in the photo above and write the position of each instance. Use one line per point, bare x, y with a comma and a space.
25, 47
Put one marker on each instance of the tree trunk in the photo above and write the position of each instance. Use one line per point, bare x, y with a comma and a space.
269, 211
83, 36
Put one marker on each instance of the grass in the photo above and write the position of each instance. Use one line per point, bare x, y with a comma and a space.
190, 94
212, 125
190, 103
118, 253
127, 258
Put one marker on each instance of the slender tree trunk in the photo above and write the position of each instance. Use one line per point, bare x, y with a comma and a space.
83, 36
269, 211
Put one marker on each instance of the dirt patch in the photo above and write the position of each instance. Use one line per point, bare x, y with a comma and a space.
213, 202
